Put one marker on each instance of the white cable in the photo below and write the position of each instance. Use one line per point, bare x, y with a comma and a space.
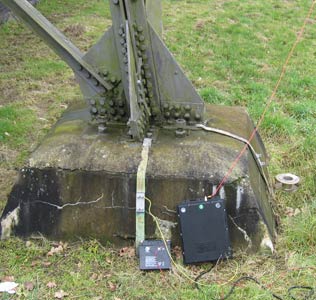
240, 139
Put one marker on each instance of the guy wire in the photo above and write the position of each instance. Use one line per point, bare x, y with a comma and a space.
271, 99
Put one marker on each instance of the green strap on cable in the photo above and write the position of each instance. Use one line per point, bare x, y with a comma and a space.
140, 193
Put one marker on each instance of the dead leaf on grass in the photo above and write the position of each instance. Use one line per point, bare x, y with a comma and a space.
51, 284
109, 261
34, 263
57, 249
100, 277
127, 252
60, 294
112, 286
7, 278
96, 277
291, 212
46, 263
200, 24
29, 286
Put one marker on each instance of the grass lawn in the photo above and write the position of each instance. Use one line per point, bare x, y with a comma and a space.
233, 52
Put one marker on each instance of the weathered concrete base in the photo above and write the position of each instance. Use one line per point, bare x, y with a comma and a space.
79, 183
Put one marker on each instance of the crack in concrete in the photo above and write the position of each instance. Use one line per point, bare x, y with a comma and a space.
243, 231
113, 206
78, 203
69, 204
168, 210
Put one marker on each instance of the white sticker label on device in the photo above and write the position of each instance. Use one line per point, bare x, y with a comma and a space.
151, 261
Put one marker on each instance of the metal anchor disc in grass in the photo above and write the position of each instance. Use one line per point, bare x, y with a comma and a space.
287, 182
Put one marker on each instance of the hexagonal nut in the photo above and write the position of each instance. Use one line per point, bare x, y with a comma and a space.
101, 128
180, 133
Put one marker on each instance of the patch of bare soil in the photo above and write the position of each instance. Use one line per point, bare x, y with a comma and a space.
7, 155
75, 30
7, 91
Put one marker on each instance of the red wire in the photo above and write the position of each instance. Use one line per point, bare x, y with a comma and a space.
241, 153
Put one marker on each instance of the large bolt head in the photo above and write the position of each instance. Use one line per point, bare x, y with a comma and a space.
101, 128
187, 116
180, 133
